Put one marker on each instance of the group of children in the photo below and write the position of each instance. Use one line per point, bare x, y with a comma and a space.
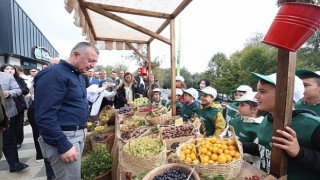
251, 115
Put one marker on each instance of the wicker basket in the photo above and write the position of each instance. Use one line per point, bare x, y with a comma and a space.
108, 143
147, 163
164, 119
228, 171
160, 170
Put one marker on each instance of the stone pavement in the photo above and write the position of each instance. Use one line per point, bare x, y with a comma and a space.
27, 154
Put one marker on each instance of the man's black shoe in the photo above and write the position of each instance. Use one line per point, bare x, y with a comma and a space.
18, 167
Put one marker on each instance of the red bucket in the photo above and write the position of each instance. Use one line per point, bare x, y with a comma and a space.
143, 71
294, 24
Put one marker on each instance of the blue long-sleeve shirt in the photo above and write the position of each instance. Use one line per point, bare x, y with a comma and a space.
60, 100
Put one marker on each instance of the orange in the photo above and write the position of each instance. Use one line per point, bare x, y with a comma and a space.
222, 159
196, 161
193, 156
184, 148
188, 159
203, 150
232, 148
224, 142
229, 158
220, 151
208, 153
210, 161
232, 153
210, 149
237, 155
187, 151
231, 143
224, 147
214, 157
182, 157
215, 150
213, 140
226, 151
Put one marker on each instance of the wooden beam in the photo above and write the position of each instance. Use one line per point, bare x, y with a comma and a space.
149, 71
173, 67
131, 11
283, 107
128, 23
136, 51
85, 13
175, 13
120, 40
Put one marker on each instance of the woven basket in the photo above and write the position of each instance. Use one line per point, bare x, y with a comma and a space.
228, 171
160, 170
108, 143
164, 119
147, 163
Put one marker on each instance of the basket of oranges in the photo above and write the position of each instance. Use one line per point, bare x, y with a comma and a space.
213, 156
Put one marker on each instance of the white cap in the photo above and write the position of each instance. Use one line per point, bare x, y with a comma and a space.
210, 91
179, 92
191, 91
244, 88
249, 96
298, 84
180, 78
156, 90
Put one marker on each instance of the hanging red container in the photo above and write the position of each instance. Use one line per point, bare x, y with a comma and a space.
143, 71
294, 24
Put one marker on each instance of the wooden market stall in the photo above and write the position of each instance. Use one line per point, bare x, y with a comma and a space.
133, 25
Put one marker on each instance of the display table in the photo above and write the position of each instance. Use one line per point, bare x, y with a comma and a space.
246, 171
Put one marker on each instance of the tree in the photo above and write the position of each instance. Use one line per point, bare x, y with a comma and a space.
255, 40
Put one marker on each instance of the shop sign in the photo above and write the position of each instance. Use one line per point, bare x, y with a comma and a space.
28, 64
42, 53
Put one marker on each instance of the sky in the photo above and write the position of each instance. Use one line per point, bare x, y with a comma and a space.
207, 27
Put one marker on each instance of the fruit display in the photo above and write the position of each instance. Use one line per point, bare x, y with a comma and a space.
139, 102
176, 174
90, 126
178, 131
132, 123
145, 109
211, 151
99, 128
124, 110
105, 116
133, 134
157, 112
144, 147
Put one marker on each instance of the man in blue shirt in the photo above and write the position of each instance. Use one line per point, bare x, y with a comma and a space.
61, 110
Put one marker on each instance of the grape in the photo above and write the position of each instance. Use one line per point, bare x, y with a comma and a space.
144, 147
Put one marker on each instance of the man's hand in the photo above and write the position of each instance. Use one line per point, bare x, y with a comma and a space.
70, 156
288, 142
105, 85
6, 94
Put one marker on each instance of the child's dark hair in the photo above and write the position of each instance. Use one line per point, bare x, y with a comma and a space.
266, 82
310, 75
255, 104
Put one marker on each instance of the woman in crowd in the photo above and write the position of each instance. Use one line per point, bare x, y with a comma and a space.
127, 92
11, 90
21, 105
203, 83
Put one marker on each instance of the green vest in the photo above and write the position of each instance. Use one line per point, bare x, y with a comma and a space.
163, 102
188, 110
303, 124
178, 106
232, 110
246, 132
208, 116
301, 105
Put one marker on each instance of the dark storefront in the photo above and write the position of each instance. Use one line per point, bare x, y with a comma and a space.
21, 42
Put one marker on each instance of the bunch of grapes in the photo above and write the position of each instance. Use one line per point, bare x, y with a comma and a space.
176, 174
178, 131
145, 147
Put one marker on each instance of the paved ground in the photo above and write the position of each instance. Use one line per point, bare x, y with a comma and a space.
27, 154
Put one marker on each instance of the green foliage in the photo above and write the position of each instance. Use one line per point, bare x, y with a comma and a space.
97, 162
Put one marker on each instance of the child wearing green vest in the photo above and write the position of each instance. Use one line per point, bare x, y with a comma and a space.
156, 97
179, 104
311, 99
232, 108
191, 105
246, 125
300, 141
210, 113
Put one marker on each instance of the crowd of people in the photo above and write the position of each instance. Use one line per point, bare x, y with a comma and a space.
60, 99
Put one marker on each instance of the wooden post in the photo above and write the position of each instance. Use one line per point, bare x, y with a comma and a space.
283, 108
149, 95
173, 67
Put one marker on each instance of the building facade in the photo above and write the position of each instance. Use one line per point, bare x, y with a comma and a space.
21, 41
